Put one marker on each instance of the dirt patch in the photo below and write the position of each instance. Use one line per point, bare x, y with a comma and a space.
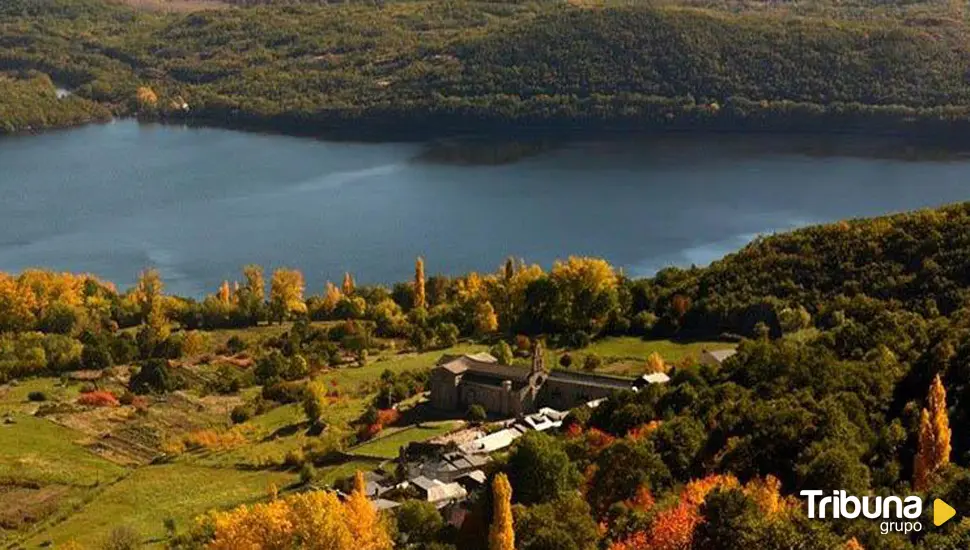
22, 506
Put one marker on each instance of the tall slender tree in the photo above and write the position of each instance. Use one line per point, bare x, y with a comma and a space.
224, 292
366, 526
349, 285
501, 535
933, 453
419, 295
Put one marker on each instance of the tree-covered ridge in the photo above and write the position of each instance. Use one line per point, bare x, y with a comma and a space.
470, 65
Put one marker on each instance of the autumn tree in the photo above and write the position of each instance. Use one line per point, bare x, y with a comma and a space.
148, 292
419, 297
225, 294
17, 305
485, 320
656, 363
253, 293
314, 401
314, 521
501, 535
286, 294
933, 453
366, 526
331, 297
146, 98
586, 293
349, 284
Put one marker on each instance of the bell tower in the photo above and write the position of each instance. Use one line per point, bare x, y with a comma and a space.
538, 358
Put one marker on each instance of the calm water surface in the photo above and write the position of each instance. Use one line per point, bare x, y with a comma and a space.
200, 203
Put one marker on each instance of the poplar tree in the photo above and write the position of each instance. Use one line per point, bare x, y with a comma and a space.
366, 527
419, 296
501, 535
933, 453
348, 285
224, 292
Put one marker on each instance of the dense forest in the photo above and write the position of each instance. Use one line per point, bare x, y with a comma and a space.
852, 364
412, 68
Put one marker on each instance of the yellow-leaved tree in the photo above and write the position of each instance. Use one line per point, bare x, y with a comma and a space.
315, 520
17, 304
419, 297
501, 535
933, 452
366, 526
286, 294
656, 363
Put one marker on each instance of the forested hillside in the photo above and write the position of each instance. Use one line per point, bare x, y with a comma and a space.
443, 67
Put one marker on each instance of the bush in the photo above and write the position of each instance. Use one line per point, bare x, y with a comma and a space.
122, 538
566, 361
235, 345
284, 392
98, 399
241, 414
37, 396
592, 362
307, 473
477, 413
154, 376
96, 357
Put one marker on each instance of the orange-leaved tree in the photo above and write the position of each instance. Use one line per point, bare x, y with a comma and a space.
501, 535
933, 453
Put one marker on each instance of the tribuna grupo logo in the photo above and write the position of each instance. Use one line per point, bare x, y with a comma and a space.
899, 515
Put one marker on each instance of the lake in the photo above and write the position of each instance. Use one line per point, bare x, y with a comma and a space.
200, 203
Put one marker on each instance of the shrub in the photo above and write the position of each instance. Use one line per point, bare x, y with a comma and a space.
98, 399
154, 376
122, 538
477, 413
566, 361
284, 392
307, 473
522, 344
235, 344
96, 357
37, 396
127, 398
388, 417
241, 414
592, 362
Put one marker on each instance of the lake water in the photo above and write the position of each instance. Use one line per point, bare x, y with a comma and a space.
200, 203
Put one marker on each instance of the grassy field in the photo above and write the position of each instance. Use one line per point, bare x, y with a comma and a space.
626, 355
36, 450
148, 496
387, 446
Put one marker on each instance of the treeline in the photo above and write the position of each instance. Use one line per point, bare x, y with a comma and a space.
423, 69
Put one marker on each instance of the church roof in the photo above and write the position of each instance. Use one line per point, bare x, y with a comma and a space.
483, 365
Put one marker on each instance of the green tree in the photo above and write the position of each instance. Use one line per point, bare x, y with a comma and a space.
502, 351
540, 470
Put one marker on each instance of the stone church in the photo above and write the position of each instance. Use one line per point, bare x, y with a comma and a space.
459, 382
